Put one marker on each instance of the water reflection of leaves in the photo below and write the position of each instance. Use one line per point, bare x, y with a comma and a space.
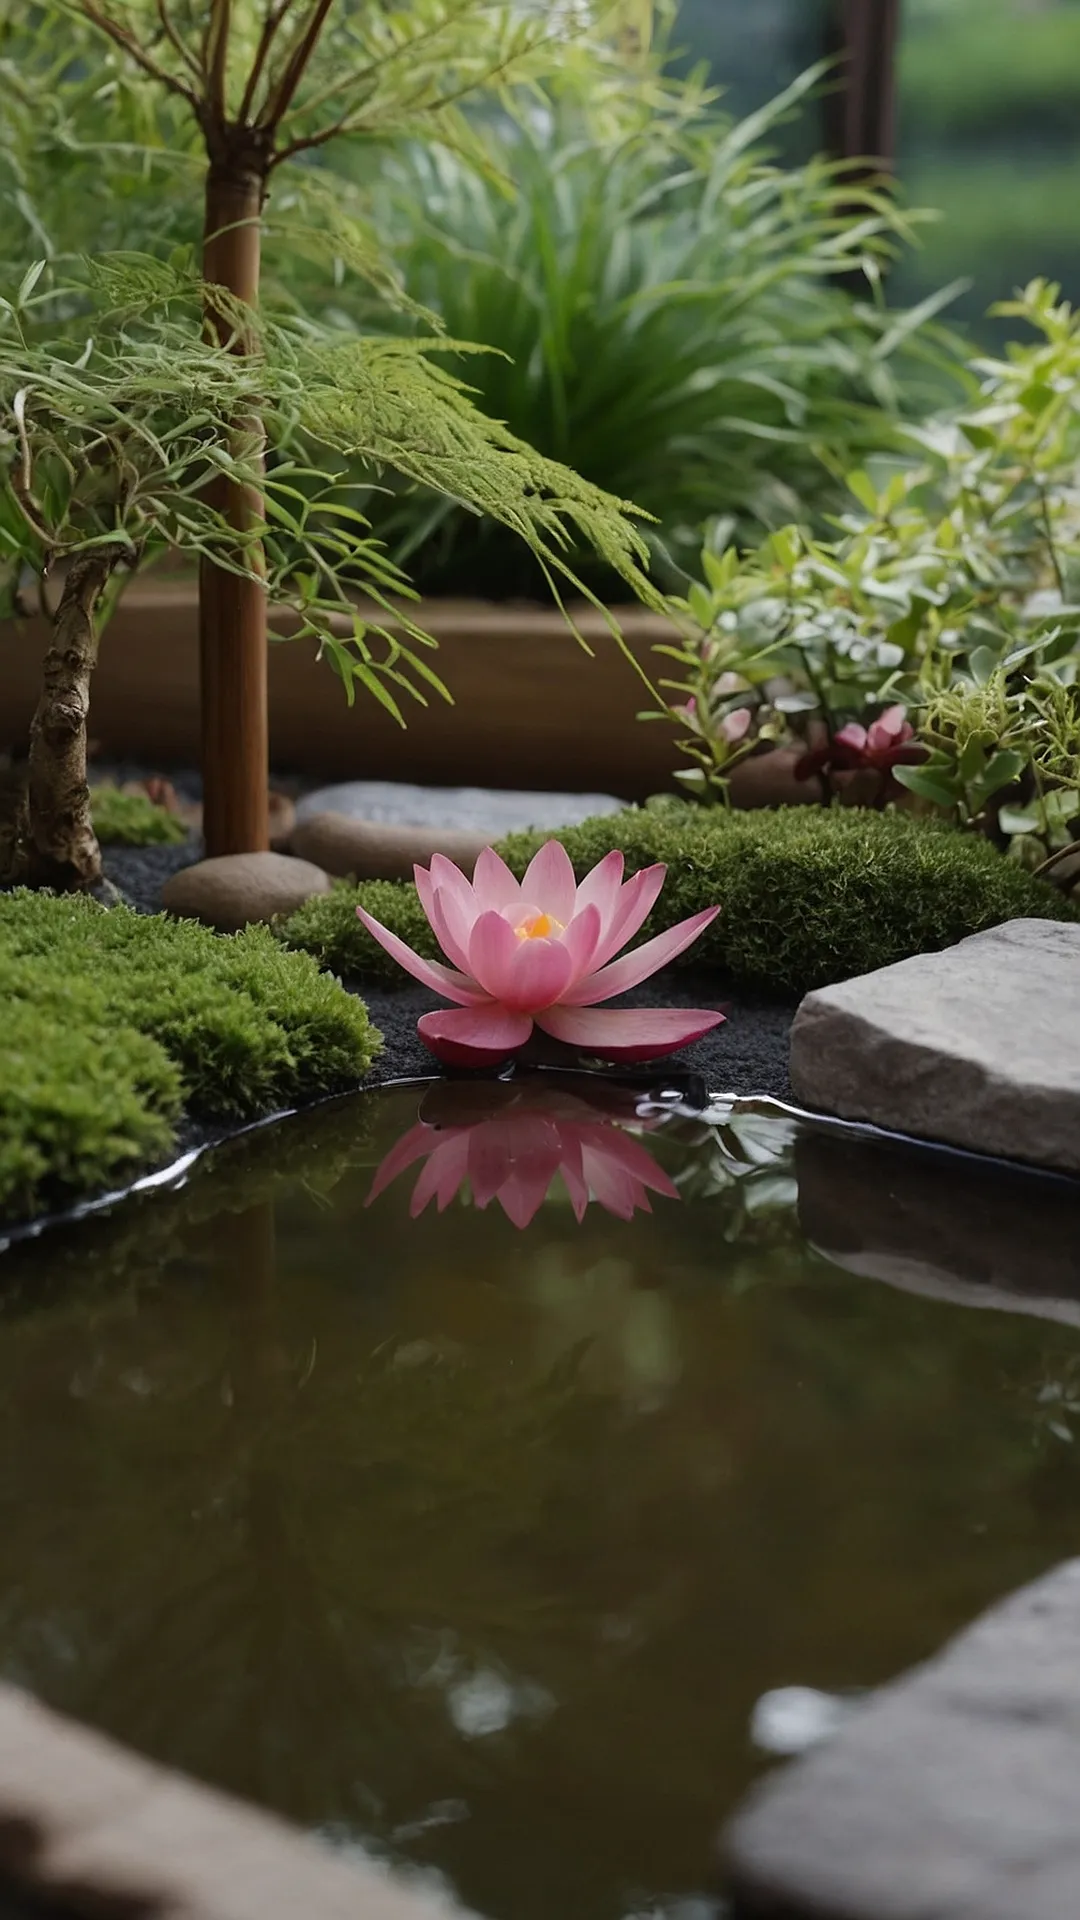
622, 1335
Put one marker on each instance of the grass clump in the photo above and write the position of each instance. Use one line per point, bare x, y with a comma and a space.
809, 895
133, 820
114, 1022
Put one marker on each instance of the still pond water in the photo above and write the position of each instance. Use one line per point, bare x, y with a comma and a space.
474, 1539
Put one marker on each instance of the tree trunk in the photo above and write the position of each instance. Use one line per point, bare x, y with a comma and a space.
232, 610
60, 847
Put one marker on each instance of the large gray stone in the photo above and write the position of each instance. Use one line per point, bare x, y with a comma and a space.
953, 1794
978, 1046
488, 810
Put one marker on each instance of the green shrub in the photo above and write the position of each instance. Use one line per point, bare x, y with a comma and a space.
133, 820
664, 315
809, 894
112, 1020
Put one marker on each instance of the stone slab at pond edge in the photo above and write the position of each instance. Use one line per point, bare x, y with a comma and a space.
91, 1829
978, 1046
953, 1794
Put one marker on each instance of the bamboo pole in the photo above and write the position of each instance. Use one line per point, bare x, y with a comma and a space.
232, 607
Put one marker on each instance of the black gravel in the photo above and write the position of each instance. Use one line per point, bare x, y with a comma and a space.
747, 1055
141, 872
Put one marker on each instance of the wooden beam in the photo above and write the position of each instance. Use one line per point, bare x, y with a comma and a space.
860, 114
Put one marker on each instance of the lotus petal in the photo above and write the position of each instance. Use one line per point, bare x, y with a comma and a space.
626, 1033
480, 1036
493, 883
602, 886
549, 879
522, 975
636, 902
634, 967
431, 973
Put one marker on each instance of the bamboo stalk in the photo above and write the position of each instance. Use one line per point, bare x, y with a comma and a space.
232, 607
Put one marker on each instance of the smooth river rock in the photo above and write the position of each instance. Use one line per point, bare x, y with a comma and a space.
371, 850
978, 1046
237, 888
489, 811
953, 1794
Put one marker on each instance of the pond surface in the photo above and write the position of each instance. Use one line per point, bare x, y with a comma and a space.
476, 1539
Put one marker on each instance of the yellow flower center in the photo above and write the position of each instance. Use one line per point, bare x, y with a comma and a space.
539, 926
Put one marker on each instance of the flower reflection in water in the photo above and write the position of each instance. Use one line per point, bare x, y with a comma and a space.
507, 1141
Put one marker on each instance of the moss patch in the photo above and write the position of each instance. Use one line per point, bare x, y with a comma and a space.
114, 1022
810, 895
133, 820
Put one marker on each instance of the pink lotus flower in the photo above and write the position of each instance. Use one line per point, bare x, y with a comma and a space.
542, 951
512, 1147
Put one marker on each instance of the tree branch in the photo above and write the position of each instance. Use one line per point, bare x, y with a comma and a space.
122, 38
217, 57
311, 140
275, 14
281, 96
21, 478
402, 49
175, 41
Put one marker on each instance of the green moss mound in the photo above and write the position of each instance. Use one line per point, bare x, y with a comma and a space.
810, 895
114, 1022
133, 820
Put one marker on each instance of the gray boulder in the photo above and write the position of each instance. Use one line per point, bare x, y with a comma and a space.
953, 1794
978, 1046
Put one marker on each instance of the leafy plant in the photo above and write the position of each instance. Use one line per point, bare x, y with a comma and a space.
263, 86
807, 895
116, 449
949, 592
662, 302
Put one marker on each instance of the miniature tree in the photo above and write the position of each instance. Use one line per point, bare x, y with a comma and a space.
267, 83
130, 428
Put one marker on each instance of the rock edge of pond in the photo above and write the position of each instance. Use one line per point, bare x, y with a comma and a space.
952, 1794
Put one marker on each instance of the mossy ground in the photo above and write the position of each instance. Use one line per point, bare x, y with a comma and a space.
809, 895
133, 820
115, 1023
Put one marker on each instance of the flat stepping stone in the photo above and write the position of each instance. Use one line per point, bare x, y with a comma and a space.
978, 1046
953, 1794
488, 810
